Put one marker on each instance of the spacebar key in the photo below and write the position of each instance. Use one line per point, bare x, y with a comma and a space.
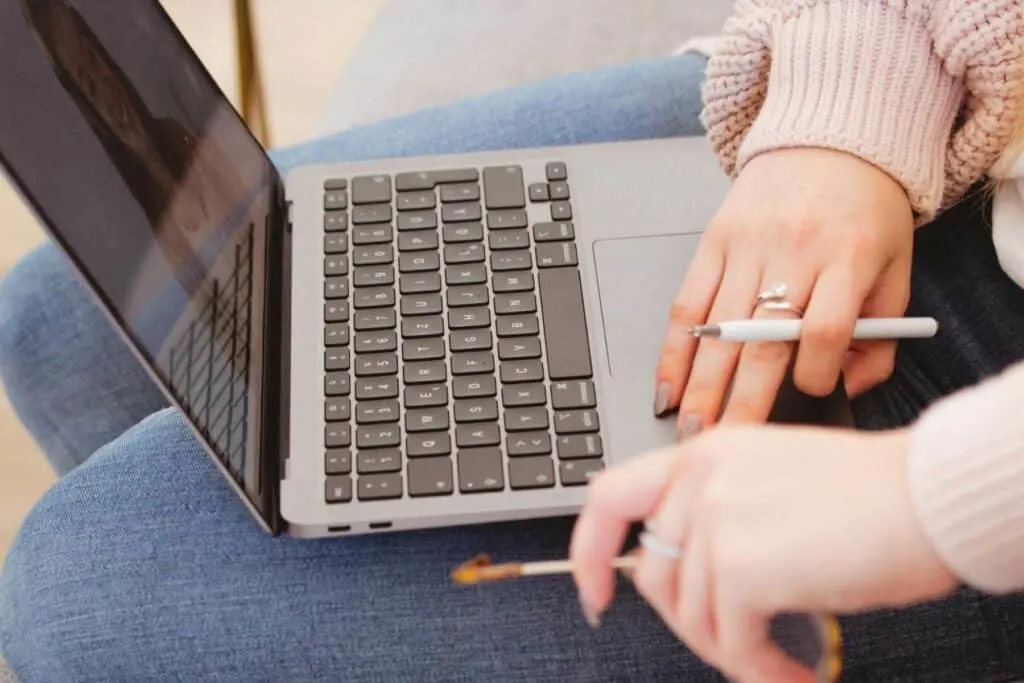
565, 323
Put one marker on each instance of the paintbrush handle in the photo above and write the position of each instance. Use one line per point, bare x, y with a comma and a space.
565, 566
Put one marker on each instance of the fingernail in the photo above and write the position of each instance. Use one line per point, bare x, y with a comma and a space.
590, 614
661, 400
688, 427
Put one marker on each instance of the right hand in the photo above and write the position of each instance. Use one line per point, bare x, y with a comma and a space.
838, 232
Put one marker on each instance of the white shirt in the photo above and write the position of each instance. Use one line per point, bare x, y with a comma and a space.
1008, 216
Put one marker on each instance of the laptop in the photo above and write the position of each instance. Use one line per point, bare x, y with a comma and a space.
360, 347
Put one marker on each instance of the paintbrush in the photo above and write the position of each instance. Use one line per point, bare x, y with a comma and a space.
481, 569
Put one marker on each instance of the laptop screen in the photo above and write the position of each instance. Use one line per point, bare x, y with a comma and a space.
116, 135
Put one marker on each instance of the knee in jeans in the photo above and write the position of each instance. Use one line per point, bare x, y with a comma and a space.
32, 287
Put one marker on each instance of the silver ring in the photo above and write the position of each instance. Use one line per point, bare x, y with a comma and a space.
651, 541
774, 299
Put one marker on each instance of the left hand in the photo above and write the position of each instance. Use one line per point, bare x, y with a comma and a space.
768, 520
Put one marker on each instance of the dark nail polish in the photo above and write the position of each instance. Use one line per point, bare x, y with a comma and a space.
661, 400
689, 426
590, 614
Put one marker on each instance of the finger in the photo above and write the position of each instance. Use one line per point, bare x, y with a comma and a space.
763, 365
868, 366
694, 618
616, 498
833, 310
690, 307
715, 361
747, 651
872, 362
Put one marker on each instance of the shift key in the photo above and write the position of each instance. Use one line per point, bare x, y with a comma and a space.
565, 324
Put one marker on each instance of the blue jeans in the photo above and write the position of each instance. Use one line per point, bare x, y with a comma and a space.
140, 564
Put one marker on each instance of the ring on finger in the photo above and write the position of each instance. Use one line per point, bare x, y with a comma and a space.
773, 298
650, 540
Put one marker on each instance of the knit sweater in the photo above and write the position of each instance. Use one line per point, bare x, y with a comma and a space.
932, 92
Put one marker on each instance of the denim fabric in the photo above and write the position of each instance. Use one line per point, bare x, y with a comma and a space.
141, 565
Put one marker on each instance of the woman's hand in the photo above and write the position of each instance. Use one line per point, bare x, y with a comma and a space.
838, 232
768, 520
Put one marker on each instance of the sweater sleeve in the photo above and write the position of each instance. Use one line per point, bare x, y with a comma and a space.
966, 479
924, 89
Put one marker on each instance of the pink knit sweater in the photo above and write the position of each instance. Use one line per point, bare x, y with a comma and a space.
928, 91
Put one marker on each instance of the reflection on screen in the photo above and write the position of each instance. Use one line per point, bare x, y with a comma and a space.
118, 138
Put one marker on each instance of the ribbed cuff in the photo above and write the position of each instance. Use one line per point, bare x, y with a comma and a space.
861, 77
966, 479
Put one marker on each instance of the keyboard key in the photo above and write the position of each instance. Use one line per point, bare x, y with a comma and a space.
463, 232
514, 372
470, 435
422, 283
481, 470
335, 199
559, 191
426, 419
378, 436
467, 295
473, 363
335, 243
336, 359
337, 461
460, 213
423, 349
465, 275
336, 288
371, 189
338, 409
503, 187
426, 396
504, 220
416, 220
471, 340
376, 342
373, 365
427, 180
371, 276
474, 387
380, 486
578, 446
576, 422
553, 232
337, 384
430, 477
537, 472
556, 171
565, 324
525, 419
376, 388
556, 254
416, 328
419, 262
335, 184
373, 297
512, 282
335, 221
375, 462
538, 192
464, 318
338, 489
372, 213
336, 334
372, 234
425, 445
425, 373
376, 412
520, 395
460, 193
510, 239
412, 201
374, 319
518, 326
421, 304
517, 348
505, 304
528, 443
569, 395
417, 241
335, 265
373, 255
560, 211
338, 435
472, 252
336, 312
579, 472
511, 260
476, 410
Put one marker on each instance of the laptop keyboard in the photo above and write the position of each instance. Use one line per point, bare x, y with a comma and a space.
456, 352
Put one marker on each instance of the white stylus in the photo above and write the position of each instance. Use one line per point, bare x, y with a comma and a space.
789, 330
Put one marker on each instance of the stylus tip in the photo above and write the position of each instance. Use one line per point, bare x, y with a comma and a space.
705, 330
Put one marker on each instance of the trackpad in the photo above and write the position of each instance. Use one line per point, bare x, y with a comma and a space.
639, 277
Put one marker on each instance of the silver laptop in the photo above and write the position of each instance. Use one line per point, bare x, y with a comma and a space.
361, 347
